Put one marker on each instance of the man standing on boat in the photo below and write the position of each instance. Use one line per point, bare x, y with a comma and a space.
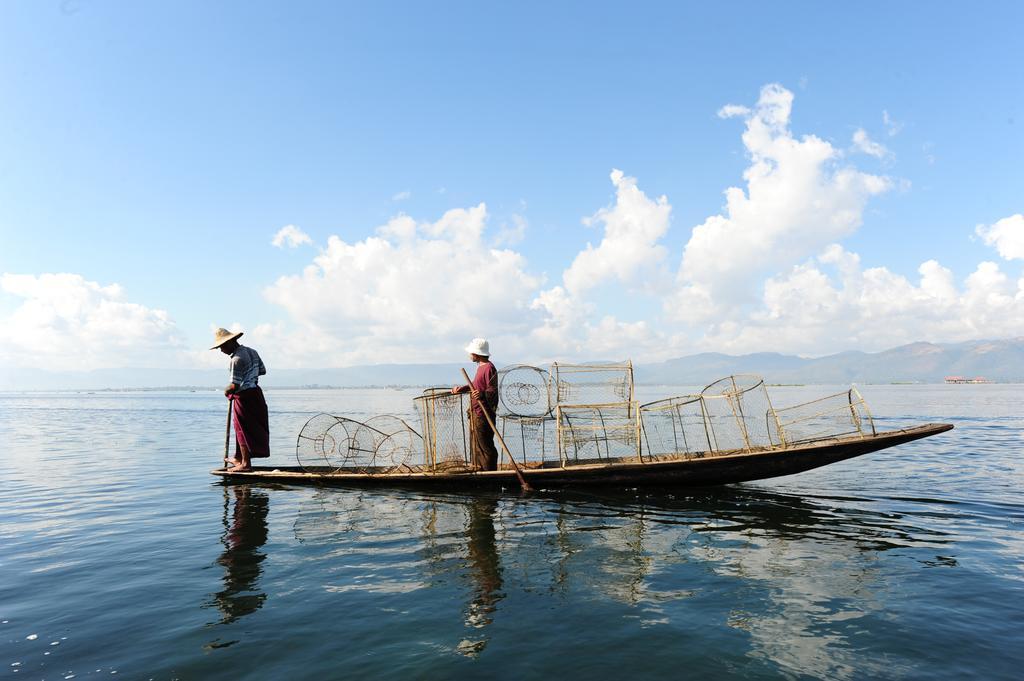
485, 396
248, 406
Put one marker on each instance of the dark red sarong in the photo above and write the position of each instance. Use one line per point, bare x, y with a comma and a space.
252, 422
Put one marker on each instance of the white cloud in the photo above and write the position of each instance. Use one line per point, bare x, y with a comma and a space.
892, 127
1007, 235
413, 291
512, 234
67, 322
830, 303
797, 199
402, 196
291, 236
862, 142
630, 254
629, 250
733, 111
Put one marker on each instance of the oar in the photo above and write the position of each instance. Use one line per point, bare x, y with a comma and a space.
519, 474
227, 433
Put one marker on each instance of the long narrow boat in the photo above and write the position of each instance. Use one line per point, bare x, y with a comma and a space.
729, 432
718, 469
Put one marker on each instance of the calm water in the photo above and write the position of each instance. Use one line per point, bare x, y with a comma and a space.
120, 555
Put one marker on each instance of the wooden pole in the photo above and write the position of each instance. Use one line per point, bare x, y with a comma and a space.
519, 474
227, 432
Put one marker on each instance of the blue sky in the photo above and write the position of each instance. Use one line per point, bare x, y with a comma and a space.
160, 147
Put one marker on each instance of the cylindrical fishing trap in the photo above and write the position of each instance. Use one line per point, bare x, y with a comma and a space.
523, 390
328, 443
395, 444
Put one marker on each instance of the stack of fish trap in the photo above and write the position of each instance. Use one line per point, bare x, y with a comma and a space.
580, 414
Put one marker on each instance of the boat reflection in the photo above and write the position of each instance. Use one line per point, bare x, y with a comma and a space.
739, 557
245, 533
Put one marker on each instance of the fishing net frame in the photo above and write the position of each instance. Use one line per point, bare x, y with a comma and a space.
681, 420
840, 415
532, 440
587, 433
592, 384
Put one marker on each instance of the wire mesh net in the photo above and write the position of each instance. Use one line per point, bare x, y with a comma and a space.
839, 415
589, 433
445, 428
332, 442
592, 383
523, 391
675, 425
530, 439
733, 413
740, 413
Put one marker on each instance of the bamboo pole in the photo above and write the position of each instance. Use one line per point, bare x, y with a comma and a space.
227, 432
483, 408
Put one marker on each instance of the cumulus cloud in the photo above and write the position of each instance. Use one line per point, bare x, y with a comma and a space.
290, 236
863, 143
412, 290
798, 198
832, 302
402, 196
628, 254
629, 247
1007, 235
67, 322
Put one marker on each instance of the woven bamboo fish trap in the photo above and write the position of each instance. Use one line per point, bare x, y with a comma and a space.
445, 427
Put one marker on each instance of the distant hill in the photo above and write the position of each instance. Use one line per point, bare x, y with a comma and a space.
997, 360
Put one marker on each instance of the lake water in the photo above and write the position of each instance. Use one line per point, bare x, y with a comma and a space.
121, 557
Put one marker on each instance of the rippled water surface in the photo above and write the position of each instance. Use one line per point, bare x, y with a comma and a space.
121, 556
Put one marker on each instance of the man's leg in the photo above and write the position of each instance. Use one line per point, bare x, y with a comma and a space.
485, 456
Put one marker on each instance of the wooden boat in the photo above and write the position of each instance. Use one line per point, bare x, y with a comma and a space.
729, 432
683, 470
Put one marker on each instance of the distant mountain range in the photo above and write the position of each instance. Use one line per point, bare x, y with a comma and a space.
997, 360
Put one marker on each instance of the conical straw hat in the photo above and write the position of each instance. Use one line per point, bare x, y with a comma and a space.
222, 336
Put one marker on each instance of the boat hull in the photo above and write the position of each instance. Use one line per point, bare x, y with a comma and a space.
720, 469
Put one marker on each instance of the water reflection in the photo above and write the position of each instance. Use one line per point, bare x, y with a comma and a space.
484, 568
245, 533
801, 576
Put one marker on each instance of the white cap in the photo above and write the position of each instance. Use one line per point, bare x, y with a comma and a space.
479, 346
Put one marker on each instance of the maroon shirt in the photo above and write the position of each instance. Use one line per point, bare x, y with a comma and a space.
486, 381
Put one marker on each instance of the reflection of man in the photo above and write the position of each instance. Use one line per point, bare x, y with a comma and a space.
484, 566
242, 556
252, 424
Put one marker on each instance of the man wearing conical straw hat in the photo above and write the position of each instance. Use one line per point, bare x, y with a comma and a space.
248, 406
484, 391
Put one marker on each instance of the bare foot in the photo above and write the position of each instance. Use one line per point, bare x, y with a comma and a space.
240, 469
